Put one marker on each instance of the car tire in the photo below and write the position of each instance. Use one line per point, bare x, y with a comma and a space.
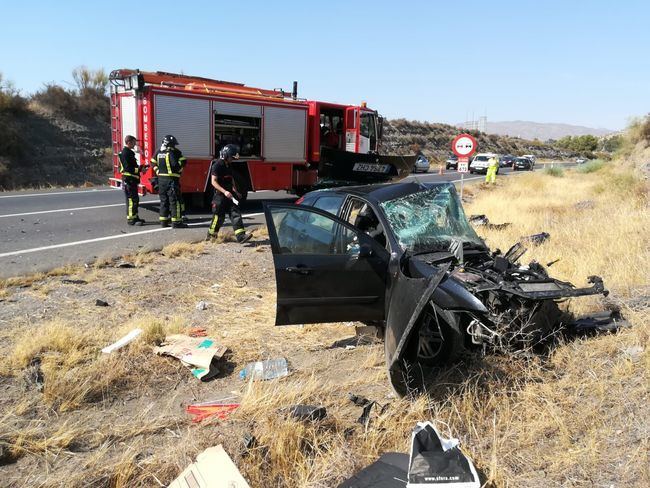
436, 342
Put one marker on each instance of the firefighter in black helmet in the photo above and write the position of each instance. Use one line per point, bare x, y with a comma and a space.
169, 163
226, 195
130, 171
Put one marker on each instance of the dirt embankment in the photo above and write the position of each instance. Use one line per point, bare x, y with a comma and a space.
48, 148
576, 416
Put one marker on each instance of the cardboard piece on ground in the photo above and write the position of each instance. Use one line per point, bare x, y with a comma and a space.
213, 469
197, 353
128, 338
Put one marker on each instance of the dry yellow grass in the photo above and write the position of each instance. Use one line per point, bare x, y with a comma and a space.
577, 417
597, 224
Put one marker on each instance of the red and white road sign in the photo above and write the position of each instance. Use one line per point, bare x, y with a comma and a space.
463, 164
464, 145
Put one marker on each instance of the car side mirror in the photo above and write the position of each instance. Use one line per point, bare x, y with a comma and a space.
365, 251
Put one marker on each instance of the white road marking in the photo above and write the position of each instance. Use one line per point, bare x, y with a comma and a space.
57, 193
106, 238
70, 209
60, 210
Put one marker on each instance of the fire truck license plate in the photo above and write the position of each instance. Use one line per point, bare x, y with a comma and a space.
371, 168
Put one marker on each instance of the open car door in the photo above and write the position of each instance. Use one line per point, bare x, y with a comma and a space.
326, 270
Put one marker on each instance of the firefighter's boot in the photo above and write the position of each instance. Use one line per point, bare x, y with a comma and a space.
242, 238
179, 225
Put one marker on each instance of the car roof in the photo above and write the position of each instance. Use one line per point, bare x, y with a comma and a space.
382, 192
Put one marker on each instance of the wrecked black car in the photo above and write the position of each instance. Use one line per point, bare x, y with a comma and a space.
404, 257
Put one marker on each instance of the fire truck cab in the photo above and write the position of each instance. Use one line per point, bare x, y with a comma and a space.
281, 137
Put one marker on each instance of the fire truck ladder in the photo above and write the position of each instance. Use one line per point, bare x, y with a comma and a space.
115, 131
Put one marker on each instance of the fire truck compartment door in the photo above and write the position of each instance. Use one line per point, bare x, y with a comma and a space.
241, 109
129, 120
187, 119
285, 134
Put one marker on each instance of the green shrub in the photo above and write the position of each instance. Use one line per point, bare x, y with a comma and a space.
592, 166
554, 171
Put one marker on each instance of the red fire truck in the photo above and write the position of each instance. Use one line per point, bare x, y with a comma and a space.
286, 143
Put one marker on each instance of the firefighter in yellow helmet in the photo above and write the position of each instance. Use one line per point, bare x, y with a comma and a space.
493, 167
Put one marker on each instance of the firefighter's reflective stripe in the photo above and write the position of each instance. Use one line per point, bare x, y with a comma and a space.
163, 218
128, 174
130, 215
171, 175
167, 165
239, 231
215, 222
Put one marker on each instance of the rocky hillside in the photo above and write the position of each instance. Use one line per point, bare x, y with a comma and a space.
542, 131
406, 136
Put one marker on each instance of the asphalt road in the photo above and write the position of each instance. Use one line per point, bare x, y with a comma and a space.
42, 230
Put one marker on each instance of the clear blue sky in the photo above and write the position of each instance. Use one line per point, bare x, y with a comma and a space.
580, 62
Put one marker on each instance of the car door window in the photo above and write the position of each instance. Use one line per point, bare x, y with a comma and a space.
330, 203
301, 231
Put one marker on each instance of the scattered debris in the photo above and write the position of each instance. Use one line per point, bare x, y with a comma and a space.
265, 370
196, 353
101, 303
350, 347
204, 410
33, 375
249, 441
633, 353
67, 281
438, 462
367, 405
125, 264
213, 469
216, 285
127, 339
536, 239
307, 412
202, 305
389, 471
482, 220
197, 331
598, 322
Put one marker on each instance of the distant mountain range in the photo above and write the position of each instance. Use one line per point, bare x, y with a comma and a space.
541, 131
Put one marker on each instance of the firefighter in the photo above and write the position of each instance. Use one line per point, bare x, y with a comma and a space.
169, 163
226, 195
491, 173
130, 171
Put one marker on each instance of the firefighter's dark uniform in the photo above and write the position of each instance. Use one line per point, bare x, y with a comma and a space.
130, 178
222, 205
169, 166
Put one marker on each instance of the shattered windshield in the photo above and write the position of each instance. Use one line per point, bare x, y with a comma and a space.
429, 220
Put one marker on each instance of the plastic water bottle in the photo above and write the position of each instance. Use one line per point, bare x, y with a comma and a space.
265, 370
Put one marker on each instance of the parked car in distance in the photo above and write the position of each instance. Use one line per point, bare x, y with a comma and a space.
522, 164
421, 164
506, 160
532, 157
452, 162
403, 257
480, 163
581, 160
